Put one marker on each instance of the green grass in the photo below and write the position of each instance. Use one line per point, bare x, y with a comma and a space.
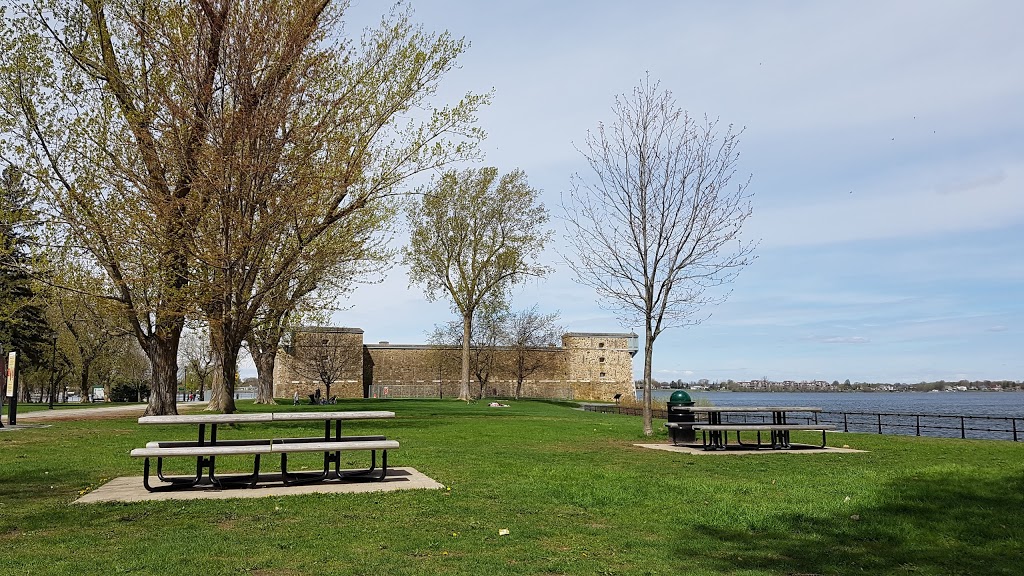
575, 494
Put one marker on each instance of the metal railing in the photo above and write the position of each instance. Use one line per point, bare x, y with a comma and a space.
931, 425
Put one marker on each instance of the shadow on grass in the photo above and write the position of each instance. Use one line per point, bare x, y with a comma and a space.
953, 523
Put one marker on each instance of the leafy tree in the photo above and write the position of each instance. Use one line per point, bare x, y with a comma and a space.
202, 153
657, 224
355, 252
309, 142
472, 236
110, 105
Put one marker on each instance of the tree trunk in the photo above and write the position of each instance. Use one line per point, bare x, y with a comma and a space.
467, 330
519, 387
648, 355
163, 355
265, 361
84, 384
225, 360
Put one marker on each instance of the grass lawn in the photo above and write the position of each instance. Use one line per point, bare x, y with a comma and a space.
574, 493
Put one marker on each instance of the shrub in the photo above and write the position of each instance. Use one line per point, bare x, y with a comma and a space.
129, 392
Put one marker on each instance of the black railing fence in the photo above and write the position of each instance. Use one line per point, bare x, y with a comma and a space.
933, 425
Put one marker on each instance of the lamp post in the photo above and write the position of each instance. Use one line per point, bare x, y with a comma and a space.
53, 362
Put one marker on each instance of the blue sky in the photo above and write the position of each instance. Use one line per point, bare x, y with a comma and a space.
886, 145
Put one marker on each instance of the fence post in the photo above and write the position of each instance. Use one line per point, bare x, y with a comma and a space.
1014, 420
918, 416
963, 432
846, 426
879, 423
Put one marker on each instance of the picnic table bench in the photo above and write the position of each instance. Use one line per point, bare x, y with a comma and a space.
779, 433
206, 450
715, 433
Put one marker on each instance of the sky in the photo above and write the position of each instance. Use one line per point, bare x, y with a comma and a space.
885, 146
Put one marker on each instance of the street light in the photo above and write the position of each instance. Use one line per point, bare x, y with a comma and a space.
53, 361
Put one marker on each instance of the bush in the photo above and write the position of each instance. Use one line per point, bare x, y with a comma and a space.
129, 392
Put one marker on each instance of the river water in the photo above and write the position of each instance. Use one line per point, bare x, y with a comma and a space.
988, 414
998, 404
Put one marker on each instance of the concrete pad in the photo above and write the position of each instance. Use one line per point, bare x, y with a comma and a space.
733, 450
130, 489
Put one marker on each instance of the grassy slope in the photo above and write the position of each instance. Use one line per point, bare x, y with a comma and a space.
575, 494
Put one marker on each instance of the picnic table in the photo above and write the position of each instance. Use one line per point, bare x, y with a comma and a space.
207, 446
715, 434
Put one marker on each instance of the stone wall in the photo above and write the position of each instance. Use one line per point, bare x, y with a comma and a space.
588, 366
335, 351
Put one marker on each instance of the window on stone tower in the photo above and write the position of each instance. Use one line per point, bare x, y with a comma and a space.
602, 374
601, 359
600, 344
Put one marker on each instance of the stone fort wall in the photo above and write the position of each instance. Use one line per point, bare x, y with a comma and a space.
588, 366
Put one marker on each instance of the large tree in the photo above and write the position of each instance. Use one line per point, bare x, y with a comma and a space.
23, 324
472, 236
110, 105
90, 326
310, 141
202, 152
656, 224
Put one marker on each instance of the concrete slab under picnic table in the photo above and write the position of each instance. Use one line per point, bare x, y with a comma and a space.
735, 450
130, 488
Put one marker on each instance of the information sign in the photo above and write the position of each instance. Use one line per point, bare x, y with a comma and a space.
12, 360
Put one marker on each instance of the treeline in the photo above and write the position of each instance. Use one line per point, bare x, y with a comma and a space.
836, 386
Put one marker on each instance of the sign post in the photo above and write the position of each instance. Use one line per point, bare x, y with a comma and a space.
11, 388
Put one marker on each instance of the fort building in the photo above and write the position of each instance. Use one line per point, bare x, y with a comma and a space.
587, 366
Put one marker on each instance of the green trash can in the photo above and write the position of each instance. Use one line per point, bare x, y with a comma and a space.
680, 421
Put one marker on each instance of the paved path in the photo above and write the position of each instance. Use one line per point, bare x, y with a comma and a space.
100, 411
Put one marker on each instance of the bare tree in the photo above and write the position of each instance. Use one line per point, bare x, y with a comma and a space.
657, 224
474, 235
197, 356
526, 333
324, 357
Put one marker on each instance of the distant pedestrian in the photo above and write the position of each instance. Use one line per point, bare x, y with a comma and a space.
295, 398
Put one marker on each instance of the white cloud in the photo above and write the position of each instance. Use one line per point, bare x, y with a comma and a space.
896, 210
844, 340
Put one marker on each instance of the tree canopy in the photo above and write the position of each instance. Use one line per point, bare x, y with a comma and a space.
220, 159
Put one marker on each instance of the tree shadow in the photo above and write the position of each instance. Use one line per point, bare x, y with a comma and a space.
960, 523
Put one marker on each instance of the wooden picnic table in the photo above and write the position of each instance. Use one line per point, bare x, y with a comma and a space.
213, 420
206, 448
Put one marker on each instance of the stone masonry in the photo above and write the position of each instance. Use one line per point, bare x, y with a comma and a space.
588, 366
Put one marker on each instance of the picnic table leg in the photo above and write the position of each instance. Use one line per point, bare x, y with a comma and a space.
301, 478
249, 480
173, 483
